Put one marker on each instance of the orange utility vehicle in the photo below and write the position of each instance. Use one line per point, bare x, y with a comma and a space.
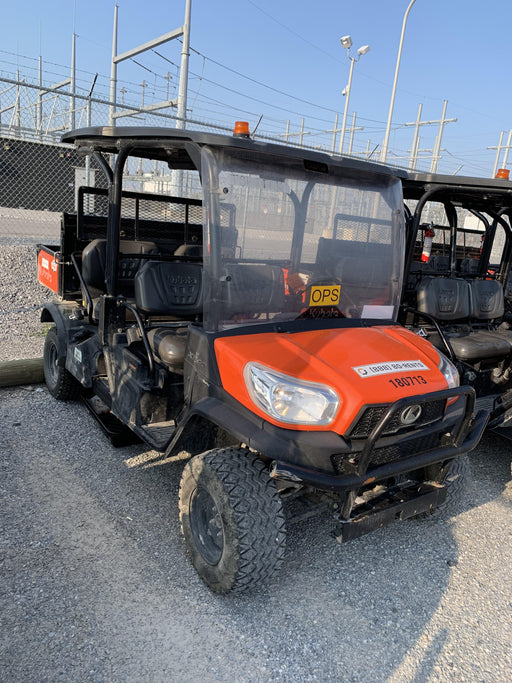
238, 300
458, 291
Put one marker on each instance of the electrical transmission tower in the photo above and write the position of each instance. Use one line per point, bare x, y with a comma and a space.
498, 149
413, 159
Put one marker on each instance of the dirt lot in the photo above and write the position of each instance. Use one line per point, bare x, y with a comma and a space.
96, 584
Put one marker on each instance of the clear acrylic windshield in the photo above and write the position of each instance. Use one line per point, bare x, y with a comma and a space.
299, 242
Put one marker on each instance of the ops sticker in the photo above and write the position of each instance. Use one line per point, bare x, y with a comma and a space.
324, 295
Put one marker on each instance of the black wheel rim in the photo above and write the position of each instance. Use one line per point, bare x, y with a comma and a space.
206, 525
52, 364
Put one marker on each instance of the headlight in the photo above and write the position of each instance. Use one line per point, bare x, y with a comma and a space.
288, 399
449, 371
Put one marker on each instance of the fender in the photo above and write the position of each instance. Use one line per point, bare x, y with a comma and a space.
225, 412
53, 313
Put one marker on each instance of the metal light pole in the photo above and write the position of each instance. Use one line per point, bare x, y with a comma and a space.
384, 151
346, 42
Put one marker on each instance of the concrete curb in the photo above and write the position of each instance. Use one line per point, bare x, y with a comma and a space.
27, 371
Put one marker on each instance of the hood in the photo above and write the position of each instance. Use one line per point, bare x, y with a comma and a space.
364, 365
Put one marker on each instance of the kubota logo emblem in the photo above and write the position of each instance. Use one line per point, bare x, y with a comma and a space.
410, 415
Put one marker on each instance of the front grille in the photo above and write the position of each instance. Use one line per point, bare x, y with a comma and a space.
381, 456
346, 464
371, 416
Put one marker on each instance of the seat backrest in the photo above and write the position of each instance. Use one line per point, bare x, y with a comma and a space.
487, 301
169, 288
469, 266
93, 264
94, 260
439, 263
444, 298
192, 250
253, 288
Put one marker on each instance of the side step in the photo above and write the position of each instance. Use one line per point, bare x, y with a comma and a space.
397, 503
117, 433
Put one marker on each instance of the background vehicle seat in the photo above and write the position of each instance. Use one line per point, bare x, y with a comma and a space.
445, 299
449, 301
487, 301
488, 304
439, 263
469, 266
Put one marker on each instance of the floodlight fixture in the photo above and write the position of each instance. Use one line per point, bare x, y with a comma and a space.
346, 42
363, 50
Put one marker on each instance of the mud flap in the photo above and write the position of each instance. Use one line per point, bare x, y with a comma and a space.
397, 503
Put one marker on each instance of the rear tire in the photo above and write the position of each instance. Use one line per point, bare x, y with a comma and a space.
61, 384
232, 519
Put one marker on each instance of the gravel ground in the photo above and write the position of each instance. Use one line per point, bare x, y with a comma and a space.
21, 298
96, 585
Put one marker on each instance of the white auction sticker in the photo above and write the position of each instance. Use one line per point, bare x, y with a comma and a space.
376, 369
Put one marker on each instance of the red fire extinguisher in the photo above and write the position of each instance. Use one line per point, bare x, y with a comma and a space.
427, 244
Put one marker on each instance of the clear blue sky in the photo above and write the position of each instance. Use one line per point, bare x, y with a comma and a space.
458, 50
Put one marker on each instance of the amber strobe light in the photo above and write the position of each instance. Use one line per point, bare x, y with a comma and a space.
241, 129
503, 173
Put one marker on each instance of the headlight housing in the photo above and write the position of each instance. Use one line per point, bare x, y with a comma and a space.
449, 371
289, 399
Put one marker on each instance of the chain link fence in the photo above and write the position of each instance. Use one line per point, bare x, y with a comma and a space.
40, 176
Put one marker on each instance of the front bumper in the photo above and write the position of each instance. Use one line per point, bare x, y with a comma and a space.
313, 458
396, 503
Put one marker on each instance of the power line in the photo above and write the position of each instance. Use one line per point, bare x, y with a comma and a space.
290, 30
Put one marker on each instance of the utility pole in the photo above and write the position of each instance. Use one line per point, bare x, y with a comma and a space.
352, 129
167, 78
72, 86
334, 133
413, 159
498, 149
185, 53
113, 70
287, 134
416, 142
181, 102
300, 134
337, 130
437, 145
39, 110
505, 158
